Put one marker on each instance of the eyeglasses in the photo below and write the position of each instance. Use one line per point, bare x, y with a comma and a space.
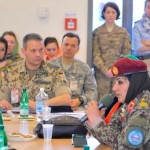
2, 49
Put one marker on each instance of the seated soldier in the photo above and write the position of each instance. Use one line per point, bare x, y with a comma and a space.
81, 79
33, 73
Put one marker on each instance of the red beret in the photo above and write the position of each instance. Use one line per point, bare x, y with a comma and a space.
126, 66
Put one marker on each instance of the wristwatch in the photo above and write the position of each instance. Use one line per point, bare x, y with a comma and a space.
81, 100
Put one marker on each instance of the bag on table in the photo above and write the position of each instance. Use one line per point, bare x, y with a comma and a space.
64, 127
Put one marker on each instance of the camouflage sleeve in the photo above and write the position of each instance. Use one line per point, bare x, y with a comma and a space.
16, 57
97, 58
89, 87
4, 89
135, 134
126, 49
61, 84
107, 134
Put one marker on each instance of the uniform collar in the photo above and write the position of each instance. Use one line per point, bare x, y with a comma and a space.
24, 70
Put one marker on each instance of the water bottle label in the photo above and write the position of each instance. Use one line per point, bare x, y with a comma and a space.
39, 106
24, 112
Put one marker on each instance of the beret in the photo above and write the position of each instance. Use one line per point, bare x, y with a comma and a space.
130, 56
125, 66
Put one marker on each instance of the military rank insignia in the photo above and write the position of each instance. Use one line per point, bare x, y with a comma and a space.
122, 114
115, 70
61, 75
143, 103
131, 106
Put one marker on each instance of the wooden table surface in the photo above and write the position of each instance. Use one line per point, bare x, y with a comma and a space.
40, 144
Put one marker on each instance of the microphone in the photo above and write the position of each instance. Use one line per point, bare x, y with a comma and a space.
105, 101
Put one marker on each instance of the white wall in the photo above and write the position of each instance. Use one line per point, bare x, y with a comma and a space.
21, 16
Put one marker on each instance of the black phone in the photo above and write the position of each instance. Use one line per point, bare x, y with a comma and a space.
79, 140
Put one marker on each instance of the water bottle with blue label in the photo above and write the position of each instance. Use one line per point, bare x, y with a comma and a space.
40, 99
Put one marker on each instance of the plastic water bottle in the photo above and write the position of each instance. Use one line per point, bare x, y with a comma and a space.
3, 136
24, 104
40, 100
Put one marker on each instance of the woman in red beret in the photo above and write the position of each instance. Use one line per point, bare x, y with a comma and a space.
129, 127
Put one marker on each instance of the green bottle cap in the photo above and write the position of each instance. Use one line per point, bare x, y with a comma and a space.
1, 127
24, 89
86, 147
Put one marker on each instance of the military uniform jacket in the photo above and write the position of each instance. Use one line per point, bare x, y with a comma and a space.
109, 46
129, 128
2, 69
48, 76
139, 33
82, 74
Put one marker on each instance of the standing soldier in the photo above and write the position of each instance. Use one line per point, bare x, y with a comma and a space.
110, 42
141, 36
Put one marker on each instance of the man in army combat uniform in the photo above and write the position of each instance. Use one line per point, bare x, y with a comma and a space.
81, 78
33, 73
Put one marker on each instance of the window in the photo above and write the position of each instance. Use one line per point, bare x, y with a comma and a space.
97, 8
138, 10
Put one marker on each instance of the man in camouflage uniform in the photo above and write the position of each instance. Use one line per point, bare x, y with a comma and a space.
81, 79
32, 74
110, 42
129, 127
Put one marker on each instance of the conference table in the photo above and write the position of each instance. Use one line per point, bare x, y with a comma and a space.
39, 144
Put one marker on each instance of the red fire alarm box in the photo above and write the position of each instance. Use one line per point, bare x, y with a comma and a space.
70, 23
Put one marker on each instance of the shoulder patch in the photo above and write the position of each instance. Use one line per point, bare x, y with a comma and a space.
135, 137
144, 100
13, 64
53, 65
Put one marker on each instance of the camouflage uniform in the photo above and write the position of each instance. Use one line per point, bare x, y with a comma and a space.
48, 76
86, 83
129, 128
2, 69
107, 48
15, 58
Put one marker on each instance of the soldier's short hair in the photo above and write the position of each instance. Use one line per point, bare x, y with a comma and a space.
72, 35
31, 36
146, 3
112, 5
